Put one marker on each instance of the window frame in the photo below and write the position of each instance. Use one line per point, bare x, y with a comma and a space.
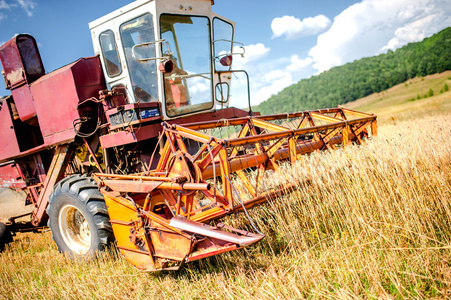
104, 57
156, 97
214, 44
211, 64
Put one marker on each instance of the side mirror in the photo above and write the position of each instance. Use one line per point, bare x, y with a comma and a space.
222, 92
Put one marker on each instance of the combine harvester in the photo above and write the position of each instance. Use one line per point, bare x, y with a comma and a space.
123, 145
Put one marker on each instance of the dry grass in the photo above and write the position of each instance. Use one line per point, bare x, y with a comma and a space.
374, 222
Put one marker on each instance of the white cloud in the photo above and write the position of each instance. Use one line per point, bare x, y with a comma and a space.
274, 75
373, 26
367, 28
274, 83
199, 88
253, 53
412, 32
27, 5
298, 64
294, 28
4, 5
268, 76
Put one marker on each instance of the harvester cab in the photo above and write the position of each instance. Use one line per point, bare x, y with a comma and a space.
168, 52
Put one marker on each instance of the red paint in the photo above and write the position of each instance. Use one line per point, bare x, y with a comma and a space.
22, 65
153, 130
12, 64
212, 253
57, 95
25, 104
10, 177
127, 137
8, 141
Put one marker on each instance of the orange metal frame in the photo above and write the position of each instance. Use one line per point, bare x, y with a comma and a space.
201, 186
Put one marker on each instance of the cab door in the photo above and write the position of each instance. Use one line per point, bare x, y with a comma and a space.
125, 40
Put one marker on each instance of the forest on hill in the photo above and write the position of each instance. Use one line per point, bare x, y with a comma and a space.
363, 77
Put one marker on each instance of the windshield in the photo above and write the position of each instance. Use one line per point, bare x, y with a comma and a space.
187, 44
138, 42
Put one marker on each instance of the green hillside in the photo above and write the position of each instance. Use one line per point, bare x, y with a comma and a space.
361, 78
411, 100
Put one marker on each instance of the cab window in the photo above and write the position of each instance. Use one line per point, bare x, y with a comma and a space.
223, 36
109, 53
188, 88
138, 41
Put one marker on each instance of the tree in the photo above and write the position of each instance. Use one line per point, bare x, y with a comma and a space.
363, 77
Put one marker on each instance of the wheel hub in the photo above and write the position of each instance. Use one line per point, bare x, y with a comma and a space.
74, 229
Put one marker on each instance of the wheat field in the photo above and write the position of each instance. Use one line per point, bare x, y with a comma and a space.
370, 222
374, 221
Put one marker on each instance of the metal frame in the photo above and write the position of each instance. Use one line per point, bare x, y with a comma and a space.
222, 177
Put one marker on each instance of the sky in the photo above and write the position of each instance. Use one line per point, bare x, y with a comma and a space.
285, 41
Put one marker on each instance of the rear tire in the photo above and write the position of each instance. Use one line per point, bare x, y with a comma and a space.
5, 236
78, 218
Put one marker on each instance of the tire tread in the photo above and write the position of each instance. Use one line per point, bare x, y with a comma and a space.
87, 192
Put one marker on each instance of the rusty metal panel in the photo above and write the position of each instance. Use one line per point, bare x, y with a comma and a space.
150, 131
88, 77
201, 253
57, 95
25, 104
22, 65
56, 102
170, 245
8, 142
10, 177
125, 137
55, 174
123, 217
12, 63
